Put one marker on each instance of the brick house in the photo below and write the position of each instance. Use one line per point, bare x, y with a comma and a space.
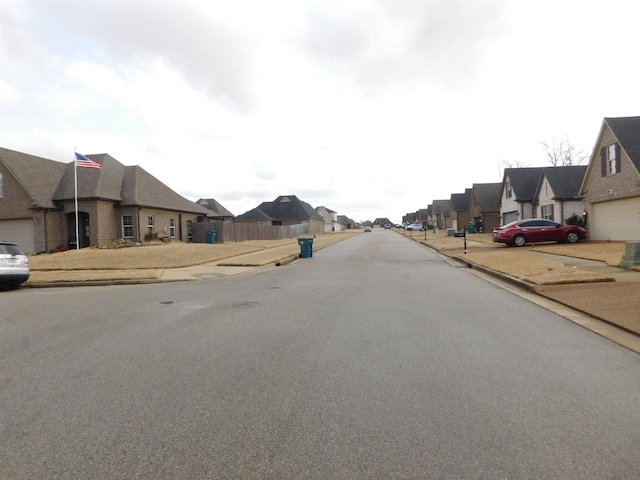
459, 209
285, 210
37, 203
483, 207
541, 192
611, 184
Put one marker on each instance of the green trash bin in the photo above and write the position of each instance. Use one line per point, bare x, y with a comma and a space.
471, 228
211, 236
306, 247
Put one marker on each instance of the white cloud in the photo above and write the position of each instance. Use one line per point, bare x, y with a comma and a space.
371, 108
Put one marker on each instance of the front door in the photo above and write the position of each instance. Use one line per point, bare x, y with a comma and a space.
83, 231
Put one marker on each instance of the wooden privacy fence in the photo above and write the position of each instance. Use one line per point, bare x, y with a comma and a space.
239, 232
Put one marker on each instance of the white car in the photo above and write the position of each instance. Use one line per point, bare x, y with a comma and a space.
415, 226
14, 265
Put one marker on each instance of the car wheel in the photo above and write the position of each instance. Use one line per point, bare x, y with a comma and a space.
519, 240
573, 237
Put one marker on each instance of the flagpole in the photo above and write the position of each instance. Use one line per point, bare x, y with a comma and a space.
75, 175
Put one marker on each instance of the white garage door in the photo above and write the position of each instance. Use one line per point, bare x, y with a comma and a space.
509, 217
617, 220
20, 232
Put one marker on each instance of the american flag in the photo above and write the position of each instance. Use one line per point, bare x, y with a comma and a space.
84, 162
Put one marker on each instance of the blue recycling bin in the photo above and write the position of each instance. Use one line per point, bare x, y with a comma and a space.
211, 236
306, 247
471, 228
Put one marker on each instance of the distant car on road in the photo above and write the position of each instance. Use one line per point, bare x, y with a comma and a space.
14, 265
367, 228
415, 226
387, 226
534, 230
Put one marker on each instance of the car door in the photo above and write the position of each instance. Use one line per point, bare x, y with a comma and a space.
533, 231
552, 231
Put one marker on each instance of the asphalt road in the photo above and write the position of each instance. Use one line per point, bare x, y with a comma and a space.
373, 359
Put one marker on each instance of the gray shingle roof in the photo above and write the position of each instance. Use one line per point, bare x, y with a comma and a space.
39, 177
627, 131
564, 181
523, 182
460, 201
215, 206
442, 207
288, 207
254, 214
487, 196
48, 182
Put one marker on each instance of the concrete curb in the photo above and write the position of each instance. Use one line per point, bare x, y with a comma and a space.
502, 276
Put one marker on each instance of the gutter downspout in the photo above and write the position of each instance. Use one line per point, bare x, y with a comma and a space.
46, 236
139, 237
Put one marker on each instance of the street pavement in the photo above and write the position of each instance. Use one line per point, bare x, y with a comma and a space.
617, 303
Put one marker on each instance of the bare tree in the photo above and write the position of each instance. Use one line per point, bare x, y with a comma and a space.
563, 153
511, 164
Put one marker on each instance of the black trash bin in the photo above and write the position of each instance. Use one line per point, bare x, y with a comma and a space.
306, 247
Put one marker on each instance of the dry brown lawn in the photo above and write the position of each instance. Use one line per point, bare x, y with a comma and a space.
148, 261
163, 255
521, 262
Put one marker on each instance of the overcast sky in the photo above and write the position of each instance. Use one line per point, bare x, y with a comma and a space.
371, 108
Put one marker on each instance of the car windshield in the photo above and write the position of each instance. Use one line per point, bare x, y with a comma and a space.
9, 250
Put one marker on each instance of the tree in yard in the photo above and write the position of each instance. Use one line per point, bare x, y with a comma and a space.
563, 153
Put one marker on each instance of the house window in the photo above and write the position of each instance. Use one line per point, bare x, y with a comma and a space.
508, 189
610, 156
150, 224
172, 227
127, 226
547, 212
611, 159
189, 230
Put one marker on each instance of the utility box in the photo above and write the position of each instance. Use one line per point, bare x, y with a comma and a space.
306, 247
211, 236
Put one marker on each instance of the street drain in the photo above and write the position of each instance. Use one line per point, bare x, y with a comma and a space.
168, 302
241, 304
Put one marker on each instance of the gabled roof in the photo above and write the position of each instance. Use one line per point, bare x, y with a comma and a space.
564, 181
215, 206
460, 201
523, 182
627, 131
38, 176
327, 209
254, 214
442, 207
487, 196
344, 220
288, 207
140, 188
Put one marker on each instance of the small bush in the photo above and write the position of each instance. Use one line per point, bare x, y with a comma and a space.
150, 236
575, 219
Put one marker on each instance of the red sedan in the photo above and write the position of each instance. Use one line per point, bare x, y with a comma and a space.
521, 232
